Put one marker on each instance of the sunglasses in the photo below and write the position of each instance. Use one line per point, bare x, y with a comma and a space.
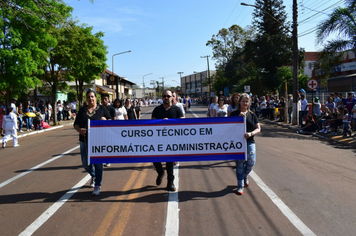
166, 96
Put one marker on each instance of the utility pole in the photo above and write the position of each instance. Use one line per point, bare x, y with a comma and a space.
295, 62
207, 60
180, 81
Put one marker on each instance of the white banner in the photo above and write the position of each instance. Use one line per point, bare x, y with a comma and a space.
196, 139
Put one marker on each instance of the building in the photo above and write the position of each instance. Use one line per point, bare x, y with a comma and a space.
197, 84
343, 77
110, 83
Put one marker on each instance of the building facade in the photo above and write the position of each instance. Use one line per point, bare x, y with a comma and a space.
197, 84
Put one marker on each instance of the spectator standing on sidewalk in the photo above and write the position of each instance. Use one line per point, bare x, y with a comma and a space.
317, 107
243, 168
91, 111
304, 109
290, 108
166, 111
9, 125
60, 110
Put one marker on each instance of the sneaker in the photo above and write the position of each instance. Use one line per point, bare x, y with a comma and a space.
107, 164
246, 182
159, 179
3, 144
171, 187
96, 191
240, 190
322, 131
16, 145
20, 131
92, 182
326, 131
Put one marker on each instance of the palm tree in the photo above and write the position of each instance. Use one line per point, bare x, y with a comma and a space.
342, 21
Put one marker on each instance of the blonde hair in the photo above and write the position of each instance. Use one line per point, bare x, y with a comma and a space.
245, 95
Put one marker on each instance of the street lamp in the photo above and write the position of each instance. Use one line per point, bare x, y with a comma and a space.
117, 82
295, 55
207, 60
143, 83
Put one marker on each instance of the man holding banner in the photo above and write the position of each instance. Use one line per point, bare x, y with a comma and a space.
166, 111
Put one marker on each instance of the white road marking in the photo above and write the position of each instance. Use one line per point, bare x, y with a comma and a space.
172, 222
52, 209
36, 167
293, 218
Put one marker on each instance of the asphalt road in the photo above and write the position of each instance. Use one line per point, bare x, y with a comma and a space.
300, 185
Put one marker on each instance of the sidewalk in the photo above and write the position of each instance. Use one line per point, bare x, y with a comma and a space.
32, 132
336, 138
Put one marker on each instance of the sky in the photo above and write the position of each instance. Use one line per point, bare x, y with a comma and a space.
166, 36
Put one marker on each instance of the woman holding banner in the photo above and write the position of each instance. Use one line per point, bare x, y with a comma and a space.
91, 111
243, 168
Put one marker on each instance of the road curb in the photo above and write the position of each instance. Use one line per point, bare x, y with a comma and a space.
314, 134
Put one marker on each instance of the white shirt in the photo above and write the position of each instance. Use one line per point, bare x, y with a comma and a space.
73, 106
304, 105
9, 121
120, 112
263, 104
180, 105
13, 107
221, 112
231, 109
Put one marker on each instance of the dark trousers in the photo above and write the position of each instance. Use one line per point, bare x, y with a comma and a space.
169, 168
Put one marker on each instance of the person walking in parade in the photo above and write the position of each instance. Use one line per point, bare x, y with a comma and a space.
9, 125
243, 168
166, 111
91, 111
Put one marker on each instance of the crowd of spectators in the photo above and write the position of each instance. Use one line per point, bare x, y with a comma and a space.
336, 116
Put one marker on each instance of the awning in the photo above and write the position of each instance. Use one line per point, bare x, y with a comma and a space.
104, 89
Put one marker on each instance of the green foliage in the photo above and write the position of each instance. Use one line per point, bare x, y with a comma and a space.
86, 56
272, 46
24, 41
227, 48
342, 21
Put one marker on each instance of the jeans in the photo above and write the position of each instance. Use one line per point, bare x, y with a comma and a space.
95, 170
59, 115
243, 168
301, 114
28, 121
20, 122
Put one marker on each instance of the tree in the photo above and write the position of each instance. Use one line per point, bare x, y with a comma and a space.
272, 46
227, 42
23, 47
86, 58
227, 48
343, 22
44, 9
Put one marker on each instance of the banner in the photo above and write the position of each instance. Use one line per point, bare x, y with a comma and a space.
189, 139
